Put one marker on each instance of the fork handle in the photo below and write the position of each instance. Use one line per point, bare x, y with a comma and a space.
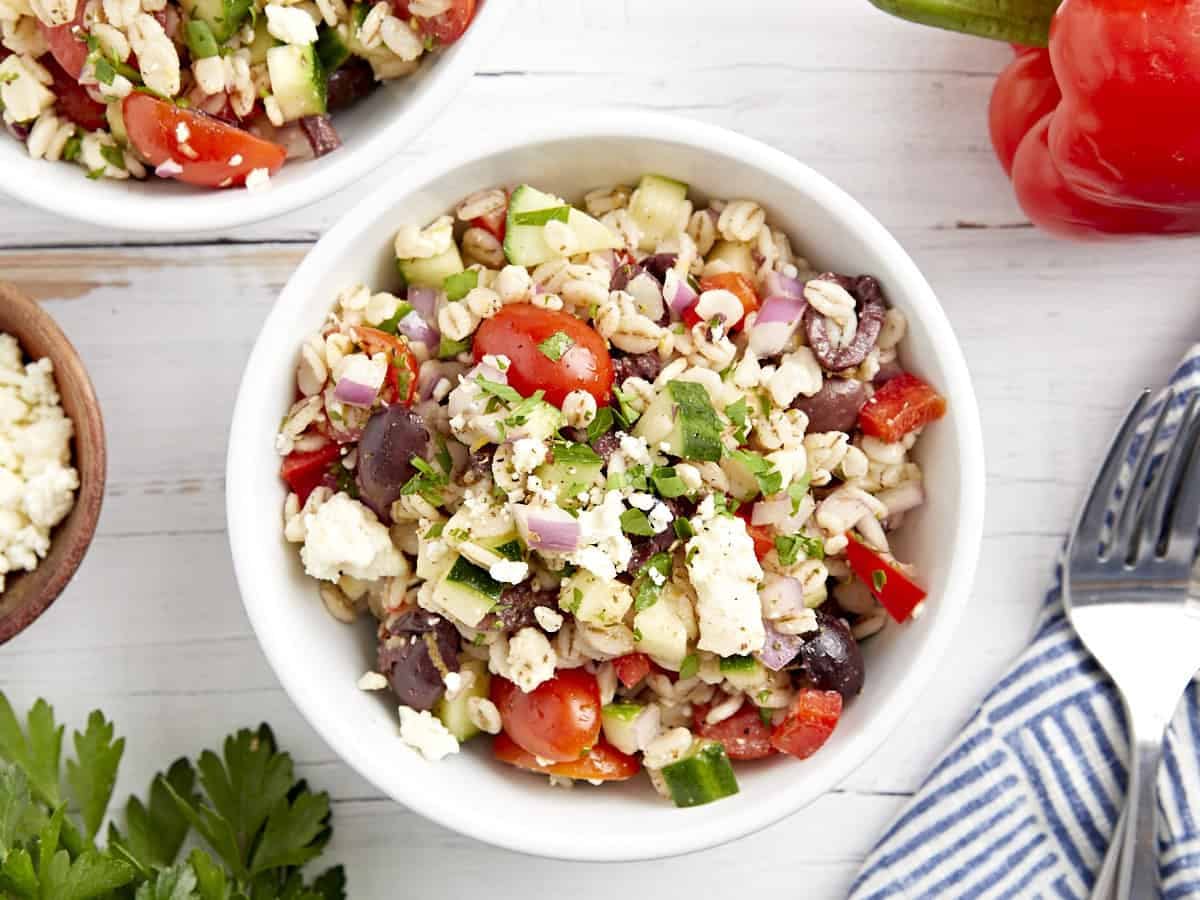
1138, 878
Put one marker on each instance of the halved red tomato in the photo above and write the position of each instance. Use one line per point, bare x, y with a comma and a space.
579, 361
447, 27
401, 385
810, 721
744, 734
304, 472
66, 42
632, 668
559, 720
217, 155
603, 762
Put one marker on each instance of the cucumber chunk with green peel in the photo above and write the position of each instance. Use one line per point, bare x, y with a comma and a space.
1024, 22
574, 468
627, 726
297, 80
431, 272
592, 600
467, 592
742, 672
661, 634
529, 210
737, 257
333, 48
682, 417
704, 775
223, 17
658, 206
455, 714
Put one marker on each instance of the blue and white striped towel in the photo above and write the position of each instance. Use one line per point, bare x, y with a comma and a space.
1024, 802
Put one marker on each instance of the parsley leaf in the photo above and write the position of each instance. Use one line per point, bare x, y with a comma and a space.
769, 478
667, 482
392, 325
542, 216
104, 71
93, 773
634, 521
689, 667
789, 547
739, 415
650, 580
498, 390
683, 528
522, 411
796, 491
113, 156
155, 830
39, 754
556, 345
879, 579
176, 883
602, 424
625, 414
448, 349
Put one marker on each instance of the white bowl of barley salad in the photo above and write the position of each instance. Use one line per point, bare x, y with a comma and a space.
322, 663
302, 99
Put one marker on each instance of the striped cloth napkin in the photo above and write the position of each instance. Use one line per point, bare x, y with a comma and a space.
1024, 802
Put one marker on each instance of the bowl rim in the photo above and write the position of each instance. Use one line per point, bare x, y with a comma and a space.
93, 472
217, 210
958, 389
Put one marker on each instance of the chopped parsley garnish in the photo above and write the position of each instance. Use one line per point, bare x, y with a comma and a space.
648, 587
571, 454
345, 479
698, 423
498, 390
392, 324
113, 156
764, 716
724, 505
105, 73
427, 482
73, 147
435, 530
602, 424
522, 411
542, 216
797, 490
879, 579
769, 478
449, 349
556, 345
460, 284
689, 667
634, 521
739, 415
443, 455
576, 601
667, 482
790, 546
511, 551
683, 528
96, 174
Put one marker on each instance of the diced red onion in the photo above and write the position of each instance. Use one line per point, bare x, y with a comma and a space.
778, 649
678, 293
355, 393
552, 530
779, 592
868, 526
424, 301
771, 512
414, 327
902, 498
776, 323
779, 285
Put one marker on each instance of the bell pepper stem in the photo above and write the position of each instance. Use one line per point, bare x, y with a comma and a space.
1025, 22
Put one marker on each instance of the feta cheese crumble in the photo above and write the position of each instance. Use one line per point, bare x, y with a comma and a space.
726, 575
426, 734
37, 481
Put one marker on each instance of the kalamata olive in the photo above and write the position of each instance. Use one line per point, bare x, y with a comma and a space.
641, 365
646, 547
658, 264
622, 275
421, 649
831, 658
516, 606
352, 81
479, 464
322, 136
392, 437
835, 406
870, 308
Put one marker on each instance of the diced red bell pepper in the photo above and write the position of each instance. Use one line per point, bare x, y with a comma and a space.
744, 734
304, 472
734, 282
764, 543
903, 404
401, 384
810, 721
603, 762
895, 591
632, 668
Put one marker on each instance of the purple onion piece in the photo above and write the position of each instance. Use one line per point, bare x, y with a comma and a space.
414, 327
322, 136
424, 301
355, 393
779, 649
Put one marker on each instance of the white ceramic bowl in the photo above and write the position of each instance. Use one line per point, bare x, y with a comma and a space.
318, 660
372, 131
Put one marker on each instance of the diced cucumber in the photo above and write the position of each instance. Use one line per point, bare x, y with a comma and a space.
263, 41
661, 634
682, 416
594, 601
297, 81
743, 672
525, 245
541, 423
704, 775
223, 17
467, 592
574, 468
460, 284
116, 122
657, 207
454, 713
332, 47
736, 257
430, 568
431, 272
628, 725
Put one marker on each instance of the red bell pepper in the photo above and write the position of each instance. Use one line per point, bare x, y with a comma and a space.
809, 722
304, 472
632, 668
895, 591
902, 405
1025, 93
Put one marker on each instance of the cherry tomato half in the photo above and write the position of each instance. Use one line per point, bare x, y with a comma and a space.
734, 282
1025, 93
632, 668
447, 27
221, 155
66, 42
518, 330
810, 721
401, 385
744, 734
558, 720
603, 762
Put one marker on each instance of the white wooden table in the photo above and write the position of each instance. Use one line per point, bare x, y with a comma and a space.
1058, 337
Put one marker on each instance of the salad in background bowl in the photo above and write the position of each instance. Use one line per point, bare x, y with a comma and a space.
558, 533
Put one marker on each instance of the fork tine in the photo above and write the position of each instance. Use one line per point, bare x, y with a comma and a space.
1085, 539
1128, 520
1164, 488
1179, 526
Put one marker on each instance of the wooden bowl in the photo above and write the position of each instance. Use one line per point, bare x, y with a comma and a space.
28, 594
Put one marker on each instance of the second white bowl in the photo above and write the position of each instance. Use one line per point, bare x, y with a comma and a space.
318, 661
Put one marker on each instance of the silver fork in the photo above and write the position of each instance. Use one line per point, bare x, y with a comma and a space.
1128, 592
